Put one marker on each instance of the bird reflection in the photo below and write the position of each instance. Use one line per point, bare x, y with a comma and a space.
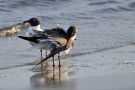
50, 76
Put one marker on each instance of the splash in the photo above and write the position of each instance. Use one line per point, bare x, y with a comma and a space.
11, 30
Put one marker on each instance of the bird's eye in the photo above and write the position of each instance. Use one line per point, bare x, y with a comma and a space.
72, 33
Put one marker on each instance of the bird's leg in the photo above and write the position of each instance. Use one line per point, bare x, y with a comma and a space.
53, 74
59, 73
41, 60
59, 60
45, 57
53, 62
45, 53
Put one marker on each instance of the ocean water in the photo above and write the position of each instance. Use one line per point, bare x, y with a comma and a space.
102, 25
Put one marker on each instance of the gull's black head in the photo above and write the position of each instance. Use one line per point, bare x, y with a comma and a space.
71, 31
32, 21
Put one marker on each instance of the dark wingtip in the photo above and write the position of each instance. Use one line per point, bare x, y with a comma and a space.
32, 39
53, 52
20, 37
50, 55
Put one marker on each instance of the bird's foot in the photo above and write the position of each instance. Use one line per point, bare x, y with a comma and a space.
53, 65
59, 65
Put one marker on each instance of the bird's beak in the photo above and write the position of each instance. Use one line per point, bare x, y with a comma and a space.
25, 23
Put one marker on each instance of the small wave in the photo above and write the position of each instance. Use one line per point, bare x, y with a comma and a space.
11, 30
124, 8
35, 3
132, 5
4, 10
45, 18
21, 65
20, 4
68, 56
129, 7
117, 9
110, 10
103, 3
98, 50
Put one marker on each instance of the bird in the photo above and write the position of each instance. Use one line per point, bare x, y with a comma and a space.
71, 37
55, 39
34, 31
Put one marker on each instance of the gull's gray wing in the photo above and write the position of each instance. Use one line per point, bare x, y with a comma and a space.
58, 34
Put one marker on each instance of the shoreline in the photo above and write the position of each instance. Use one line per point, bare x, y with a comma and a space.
106, 70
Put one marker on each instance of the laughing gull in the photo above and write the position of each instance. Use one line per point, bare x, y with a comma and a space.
64, 44
34, 31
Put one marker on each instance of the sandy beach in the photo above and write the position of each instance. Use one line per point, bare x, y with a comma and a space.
106, 70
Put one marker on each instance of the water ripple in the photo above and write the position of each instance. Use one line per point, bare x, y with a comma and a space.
103, 2
132, 5
109, 10
4, 10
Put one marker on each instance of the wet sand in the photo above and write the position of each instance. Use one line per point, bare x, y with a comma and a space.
106, 70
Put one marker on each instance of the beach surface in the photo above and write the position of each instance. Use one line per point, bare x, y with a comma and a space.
106, 70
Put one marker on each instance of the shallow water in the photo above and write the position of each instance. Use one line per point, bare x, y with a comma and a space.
102, 25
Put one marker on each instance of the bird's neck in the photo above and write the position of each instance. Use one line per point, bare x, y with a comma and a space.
37, 28
70, 43
71, 39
